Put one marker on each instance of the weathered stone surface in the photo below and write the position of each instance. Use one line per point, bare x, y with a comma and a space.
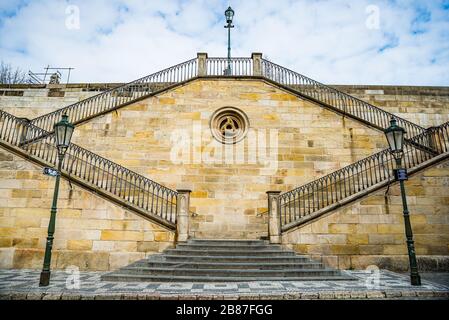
94, 234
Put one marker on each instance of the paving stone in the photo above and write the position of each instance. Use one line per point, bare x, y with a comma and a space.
249, 297
326, 295
108, 297
230, 297
188, 297
70, 296
19, 296
52, 296
425, 293
169, 297
358, 295
441, 294
293, 296
393, 294
205, 297
34, 296
309, 295
342, 295
5, 296
375, 295
408, 293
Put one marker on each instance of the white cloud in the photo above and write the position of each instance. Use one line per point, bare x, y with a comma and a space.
327, 40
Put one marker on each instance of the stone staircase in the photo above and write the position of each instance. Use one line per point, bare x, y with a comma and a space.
225, 261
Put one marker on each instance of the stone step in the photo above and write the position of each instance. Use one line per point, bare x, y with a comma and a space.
204, 260
228, 265
229, 253
219, 246
261, 274
170, 278
198, 258
227, 242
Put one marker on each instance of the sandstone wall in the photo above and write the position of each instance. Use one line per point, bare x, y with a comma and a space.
227, 196
371, 231
91, 233
425, 106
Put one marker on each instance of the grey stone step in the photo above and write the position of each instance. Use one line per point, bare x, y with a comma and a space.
204, 260
228, 242
229, 253
228, 272
193, 258
225, 246
149, 278
229, 265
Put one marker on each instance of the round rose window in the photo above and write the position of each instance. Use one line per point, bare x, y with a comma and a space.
229, 125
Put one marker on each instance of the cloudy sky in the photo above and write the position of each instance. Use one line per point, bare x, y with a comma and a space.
336, 41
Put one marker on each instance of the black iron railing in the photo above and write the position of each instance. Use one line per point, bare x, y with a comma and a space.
111, 178
238, 66
339, 100
124, 94
301, 203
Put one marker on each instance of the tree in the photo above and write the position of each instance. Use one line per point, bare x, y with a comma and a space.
9, 75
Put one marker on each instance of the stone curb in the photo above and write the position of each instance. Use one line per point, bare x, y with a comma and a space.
323, 295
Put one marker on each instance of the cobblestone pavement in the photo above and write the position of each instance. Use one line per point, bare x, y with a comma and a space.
23, 284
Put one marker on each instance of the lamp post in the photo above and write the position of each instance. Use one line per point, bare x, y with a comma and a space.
229, 14
395, 138
63, 133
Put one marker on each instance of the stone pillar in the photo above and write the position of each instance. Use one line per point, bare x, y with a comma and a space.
182, 215
257, 63
274, 225
202, 69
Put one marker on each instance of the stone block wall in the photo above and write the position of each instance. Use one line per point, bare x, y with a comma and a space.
371, 230
91, 233
228, 197
425, 106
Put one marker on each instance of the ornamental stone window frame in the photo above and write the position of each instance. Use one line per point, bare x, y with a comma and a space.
229, 125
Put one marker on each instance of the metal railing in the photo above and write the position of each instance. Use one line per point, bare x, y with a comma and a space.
115, 97
239, 66
339, 100
215, 66
138, 191
303, 201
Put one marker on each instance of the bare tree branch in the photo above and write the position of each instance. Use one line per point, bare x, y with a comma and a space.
8, 75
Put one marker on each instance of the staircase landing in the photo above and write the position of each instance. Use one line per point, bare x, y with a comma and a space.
225, 261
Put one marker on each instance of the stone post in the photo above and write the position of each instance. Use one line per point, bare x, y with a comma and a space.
182, 215
257, 63
274, 226
202, 68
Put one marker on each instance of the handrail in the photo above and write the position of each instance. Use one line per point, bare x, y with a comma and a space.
217, 66
330, 189
112, 98
111, 177
240, 66
339, 100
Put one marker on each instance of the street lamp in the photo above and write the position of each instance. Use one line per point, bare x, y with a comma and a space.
229, 14
395, 138
63, 133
